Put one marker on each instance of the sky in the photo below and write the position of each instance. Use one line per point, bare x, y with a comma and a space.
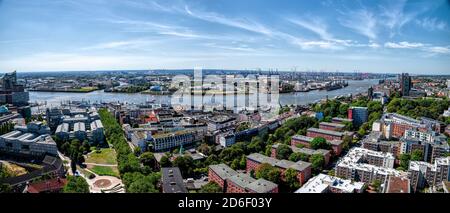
346, 36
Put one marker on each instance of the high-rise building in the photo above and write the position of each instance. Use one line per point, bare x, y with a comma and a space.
359, 115
370, 93
405, 84
11, 92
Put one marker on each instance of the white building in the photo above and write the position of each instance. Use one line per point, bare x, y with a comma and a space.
329, 184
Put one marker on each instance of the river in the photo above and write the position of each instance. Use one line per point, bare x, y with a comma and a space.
55, 98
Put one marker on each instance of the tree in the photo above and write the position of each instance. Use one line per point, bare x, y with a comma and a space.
205, 149
76, 184
186, 165
346, 141
243, 126
298, 156
268, 172
165, 162
211, 187
404, 161
148, 159
320, 143
317, 162
283, 152
417, 155
291, 179
376, 184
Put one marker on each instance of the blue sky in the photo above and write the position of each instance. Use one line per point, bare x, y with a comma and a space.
368, 36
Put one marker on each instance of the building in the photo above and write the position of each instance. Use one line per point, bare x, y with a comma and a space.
405, 84
423, 174
359, 115
233, 182
325, 153
329, 184
374, 142
167, 141
303, 168
172, 181
47, 186
398, 185
366, 165
327, 134
32, 139
11, 92
341, 120
297, 140
227, 139
220, 122
331, 126
431, 145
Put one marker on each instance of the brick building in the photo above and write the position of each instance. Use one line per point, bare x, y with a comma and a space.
303, 168
234, 182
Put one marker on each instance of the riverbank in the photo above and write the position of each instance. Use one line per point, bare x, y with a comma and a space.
71, 90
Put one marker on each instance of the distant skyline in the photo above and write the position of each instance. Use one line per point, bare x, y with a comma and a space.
368, 36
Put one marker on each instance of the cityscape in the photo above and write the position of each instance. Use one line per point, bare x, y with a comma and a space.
179, 128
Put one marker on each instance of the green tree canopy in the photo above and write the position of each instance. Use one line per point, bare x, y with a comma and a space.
76, 184
320, 143
210, 187
317, 162
268, 172
283, 152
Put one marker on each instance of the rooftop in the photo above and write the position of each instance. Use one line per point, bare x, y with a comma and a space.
172, 181
398, 185
285, 164
222, 170
327, 132
332, 124
321, 183
262, 186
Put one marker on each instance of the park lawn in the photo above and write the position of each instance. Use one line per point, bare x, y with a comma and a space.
105, 156
105, 170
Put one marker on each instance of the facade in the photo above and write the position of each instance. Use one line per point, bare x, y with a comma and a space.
11, 92
219, 122
366, 165
405, 84
303, 168
301, 140
168, 141
227, 139
359, 115
329, 184
234, 182
424, 174
33, 139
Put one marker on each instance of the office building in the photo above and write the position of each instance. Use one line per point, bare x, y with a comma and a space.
359, 115
405, 84
33, 139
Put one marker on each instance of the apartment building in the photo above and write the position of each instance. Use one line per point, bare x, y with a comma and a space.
423, 174
329, 184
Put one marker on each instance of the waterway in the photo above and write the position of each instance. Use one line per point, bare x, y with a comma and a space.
299, 98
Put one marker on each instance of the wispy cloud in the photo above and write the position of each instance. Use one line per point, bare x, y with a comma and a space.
244, 24
431, 24
434, 50
315, 25
361, 21
403, 45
